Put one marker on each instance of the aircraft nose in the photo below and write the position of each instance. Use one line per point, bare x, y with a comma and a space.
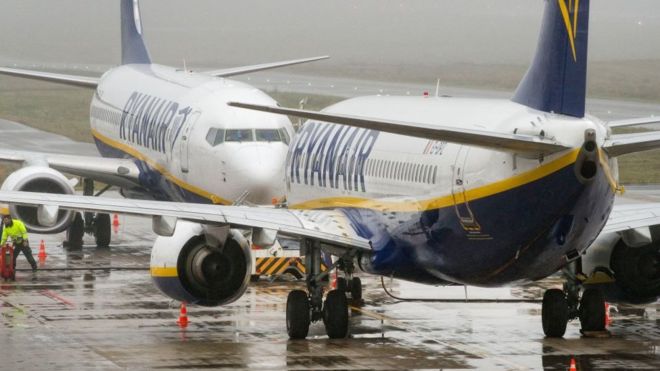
262, 170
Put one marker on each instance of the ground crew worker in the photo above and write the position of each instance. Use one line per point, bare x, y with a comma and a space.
15, 229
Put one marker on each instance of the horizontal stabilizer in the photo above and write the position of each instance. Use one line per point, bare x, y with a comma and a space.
622, 144
260, 67
635, 122
493, 140
83, 81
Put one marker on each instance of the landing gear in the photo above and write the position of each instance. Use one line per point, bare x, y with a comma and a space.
297, 314
554, 313
102, 230
303, 308
561, 306
97, 224
75, 232
592, 310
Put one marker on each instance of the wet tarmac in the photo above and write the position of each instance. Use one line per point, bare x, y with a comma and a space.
97, 309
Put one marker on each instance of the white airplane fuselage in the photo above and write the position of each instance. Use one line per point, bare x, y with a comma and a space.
189, 145
437, 211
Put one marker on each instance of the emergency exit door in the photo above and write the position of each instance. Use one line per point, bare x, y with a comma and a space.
461, 202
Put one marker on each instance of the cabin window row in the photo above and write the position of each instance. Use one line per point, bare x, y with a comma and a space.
113, 117
402, 170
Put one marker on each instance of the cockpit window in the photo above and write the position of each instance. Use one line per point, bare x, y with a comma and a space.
268, 135
239, 135
285, 136
215, 136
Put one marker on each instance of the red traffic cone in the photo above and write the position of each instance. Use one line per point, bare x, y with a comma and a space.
183, 316
42, 250
115, 220
572, 367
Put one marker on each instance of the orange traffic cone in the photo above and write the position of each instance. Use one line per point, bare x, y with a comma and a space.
572, 367
183, 316
42, 250
608, 320
115, 220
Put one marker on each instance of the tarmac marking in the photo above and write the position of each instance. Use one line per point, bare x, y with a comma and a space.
465, 348
56, 297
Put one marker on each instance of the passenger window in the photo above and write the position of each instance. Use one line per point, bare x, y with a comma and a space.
435, 174
239, 135
268, 135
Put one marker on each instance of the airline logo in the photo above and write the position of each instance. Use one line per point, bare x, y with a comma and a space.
152, 122
330, 156
136, 16
570, 14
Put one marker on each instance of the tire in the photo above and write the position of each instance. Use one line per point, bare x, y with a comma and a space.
592, 310
342, 284
356, 288
297, 314
75, 232
335, 314
102, 230
554, 313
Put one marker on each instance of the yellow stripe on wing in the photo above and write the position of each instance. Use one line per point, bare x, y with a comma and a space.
161, 169
412, 205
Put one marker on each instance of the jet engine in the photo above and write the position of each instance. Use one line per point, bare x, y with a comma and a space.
201, 264
40, 179
627, 265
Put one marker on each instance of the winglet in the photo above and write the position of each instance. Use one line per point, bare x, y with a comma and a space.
133, 49
556, 80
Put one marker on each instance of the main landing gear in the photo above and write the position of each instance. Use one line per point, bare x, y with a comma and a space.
305, 307
97, 224
561, 306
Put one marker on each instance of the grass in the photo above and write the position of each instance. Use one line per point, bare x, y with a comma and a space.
65, 110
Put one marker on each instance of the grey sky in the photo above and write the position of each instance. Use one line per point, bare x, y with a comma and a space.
223, 33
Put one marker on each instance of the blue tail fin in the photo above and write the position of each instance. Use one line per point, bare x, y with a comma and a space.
556, 80
133, 50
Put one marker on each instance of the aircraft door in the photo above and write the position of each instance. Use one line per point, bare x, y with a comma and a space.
184, 147
461, 203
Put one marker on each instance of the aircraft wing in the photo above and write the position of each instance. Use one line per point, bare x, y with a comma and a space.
635, 122
114, 171
83, 81
260, 67
482, 138
631, 216
621, 144
329, 227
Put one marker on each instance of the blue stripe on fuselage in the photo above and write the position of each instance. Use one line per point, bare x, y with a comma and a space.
520, 234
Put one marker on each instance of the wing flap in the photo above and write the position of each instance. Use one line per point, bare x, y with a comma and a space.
81, 81
329, 227
261, 67
492, 140
631, 216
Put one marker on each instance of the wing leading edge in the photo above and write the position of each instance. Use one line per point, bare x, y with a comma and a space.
82, 81
482, 138
261, 67
325, 226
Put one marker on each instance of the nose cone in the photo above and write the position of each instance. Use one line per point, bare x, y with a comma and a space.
261, 168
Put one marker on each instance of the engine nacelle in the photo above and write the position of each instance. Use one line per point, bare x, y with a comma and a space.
624, 267
40, 179
189, 266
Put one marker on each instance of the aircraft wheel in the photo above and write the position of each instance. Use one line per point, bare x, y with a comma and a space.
592, 310
342, 284
356, 288
102, 230
75, 232
335, 314
554, 313
297, 314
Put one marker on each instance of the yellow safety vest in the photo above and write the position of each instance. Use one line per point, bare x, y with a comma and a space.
17, 232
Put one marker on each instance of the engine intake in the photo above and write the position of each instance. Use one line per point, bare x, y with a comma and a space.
186, 267
39, 179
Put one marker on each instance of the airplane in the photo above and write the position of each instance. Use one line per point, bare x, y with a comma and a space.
434, 190
163, 133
